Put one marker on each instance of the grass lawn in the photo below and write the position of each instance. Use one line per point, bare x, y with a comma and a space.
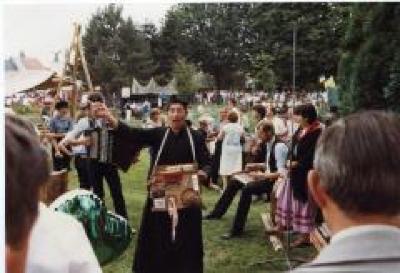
233, 256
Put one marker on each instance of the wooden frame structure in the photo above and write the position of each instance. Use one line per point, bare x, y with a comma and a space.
74, 60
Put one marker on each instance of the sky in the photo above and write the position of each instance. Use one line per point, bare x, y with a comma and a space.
42, 29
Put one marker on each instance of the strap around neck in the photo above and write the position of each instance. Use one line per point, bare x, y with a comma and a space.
160, 150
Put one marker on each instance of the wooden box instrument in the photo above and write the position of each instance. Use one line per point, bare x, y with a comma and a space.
177, 184
54, 187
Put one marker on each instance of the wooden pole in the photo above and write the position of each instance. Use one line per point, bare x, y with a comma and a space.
84, 63
66, 61
75, 70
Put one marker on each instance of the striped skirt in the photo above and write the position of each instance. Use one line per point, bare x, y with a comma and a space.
292, 213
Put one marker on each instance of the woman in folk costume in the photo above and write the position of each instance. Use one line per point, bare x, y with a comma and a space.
295, 206
163, 246
232, 135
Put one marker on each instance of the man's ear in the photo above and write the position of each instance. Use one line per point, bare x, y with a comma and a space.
317, 191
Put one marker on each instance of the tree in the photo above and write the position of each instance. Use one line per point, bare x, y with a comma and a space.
392, 89
319, 28
210, 36
101, 42
262, 71
116, 50
223, 38
184, 73
368, 73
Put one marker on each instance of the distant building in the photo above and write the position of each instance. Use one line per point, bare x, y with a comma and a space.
24, 74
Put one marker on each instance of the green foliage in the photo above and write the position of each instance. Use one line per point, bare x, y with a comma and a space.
262, 71
212, 36
20, 109
204, 80
368, 72
184, 73
224, 38
392, 89
116, 50
318, 28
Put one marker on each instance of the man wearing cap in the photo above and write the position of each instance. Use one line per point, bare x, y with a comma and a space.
156, 250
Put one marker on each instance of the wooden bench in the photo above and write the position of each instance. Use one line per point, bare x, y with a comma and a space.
320, 237
275, 241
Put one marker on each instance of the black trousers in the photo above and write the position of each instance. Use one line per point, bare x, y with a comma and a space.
242, 211
61, 163
83, 168
215, 163
110, 173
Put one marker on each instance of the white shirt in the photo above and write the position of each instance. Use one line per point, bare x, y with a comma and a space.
281, 151
79, 128
349, 232
279, 125
58, 244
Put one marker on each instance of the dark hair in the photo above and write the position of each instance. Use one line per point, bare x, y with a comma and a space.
309, 112
95, 97
233, 116
233, 101
61, 104
298, 110
26, 170
260, 109
284, 109
275, 110
358, 162
267, 127
176, 100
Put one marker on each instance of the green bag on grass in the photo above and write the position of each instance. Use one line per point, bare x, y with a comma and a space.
109, 233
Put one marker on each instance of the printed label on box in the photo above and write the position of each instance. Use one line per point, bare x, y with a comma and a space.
159, 203
195, 181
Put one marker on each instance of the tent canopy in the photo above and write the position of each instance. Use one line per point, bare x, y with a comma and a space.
25, 80
153, 87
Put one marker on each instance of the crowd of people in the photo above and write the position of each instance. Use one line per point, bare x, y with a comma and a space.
343, 172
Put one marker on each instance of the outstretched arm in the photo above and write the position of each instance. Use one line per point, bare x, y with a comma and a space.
128, 141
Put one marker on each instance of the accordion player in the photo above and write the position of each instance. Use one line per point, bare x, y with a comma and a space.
101, 144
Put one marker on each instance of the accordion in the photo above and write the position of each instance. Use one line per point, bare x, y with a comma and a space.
176, 184
101, 144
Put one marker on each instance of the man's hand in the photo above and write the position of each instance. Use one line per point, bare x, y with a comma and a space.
57, 154
100, 110
87, 141
257, 175
291, 164
202, 175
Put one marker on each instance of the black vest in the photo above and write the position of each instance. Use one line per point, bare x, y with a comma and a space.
272, 159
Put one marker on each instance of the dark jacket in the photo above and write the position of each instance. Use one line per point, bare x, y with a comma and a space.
304, 155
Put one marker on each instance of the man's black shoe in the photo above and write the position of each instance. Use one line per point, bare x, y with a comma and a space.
230, 235
210, 217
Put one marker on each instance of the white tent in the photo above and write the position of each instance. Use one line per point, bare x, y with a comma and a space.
23, 80
153, 87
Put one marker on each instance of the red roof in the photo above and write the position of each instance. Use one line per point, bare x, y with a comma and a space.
33, 64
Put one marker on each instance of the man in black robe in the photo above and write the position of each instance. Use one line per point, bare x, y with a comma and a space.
155, 250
